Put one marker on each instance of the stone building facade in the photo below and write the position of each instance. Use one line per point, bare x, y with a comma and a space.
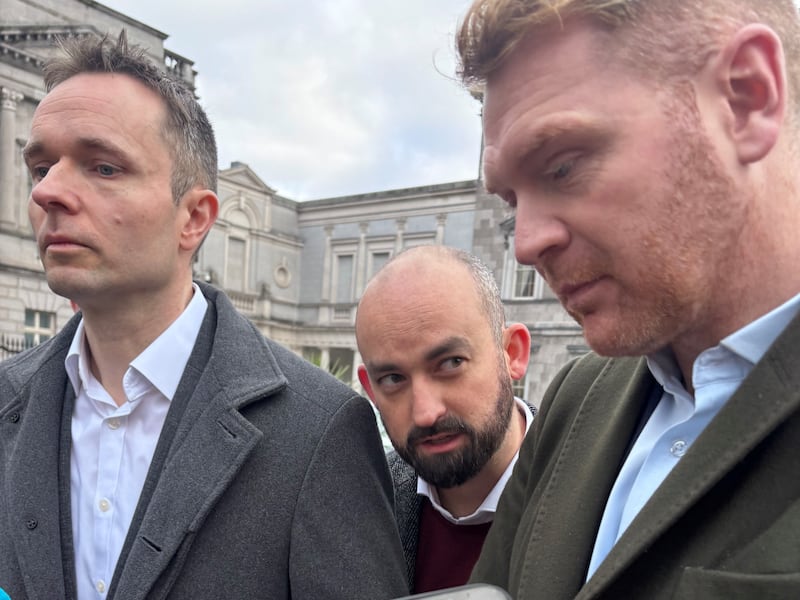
296, 269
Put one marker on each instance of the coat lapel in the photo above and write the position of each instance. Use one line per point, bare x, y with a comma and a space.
769, 395
590, 455
210, 443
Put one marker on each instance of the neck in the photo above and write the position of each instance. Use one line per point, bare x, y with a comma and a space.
116, 335
760, 274
463, 500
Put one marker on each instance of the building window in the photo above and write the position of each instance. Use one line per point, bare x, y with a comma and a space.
527, 283
377, 260
235, 268
343, 278
524, 281
341, 364
39, 326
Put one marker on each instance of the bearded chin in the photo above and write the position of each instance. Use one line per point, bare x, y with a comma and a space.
457, 467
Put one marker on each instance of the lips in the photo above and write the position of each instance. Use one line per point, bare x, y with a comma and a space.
444, 442
572, 289
440, 438
573, 295
59, 241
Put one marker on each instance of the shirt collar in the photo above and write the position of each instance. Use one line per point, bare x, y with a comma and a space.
749, 344
485, 512
161, 364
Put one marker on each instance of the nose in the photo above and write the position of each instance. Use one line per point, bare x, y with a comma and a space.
537, 232
427, 405
56, 190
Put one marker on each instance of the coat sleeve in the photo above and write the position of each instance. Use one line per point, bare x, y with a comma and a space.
344, 541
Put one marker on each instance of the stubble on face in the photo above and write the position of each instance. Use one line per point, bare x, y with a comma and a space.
686, 237
455, 468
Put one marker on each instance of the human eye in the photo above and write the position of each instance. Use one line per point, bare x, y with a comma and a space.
106, 170
390, 381
452, 364
38, 172
561, 169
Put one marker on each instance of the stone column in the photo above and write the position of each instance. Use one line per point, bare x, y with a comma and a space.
325, 294
325, 358
8, 202
361, 259
398, 240
326, 265
440, 221
356, 363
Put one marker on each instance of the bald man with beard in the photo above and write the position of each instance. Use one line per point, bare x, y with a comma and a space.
438, 364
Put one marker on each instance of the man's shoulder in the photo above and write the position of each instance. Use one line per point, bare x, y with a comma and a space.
586, 370
20, 369
239, 345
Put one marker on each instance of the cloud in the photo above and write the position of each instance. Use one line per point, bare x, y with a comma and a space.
328, 97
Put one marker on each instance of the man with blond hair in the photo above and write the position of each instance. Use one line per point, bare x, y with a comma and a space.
649, 148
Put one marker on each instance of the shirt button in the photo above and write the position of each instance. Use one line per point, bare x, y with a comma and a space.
113, 423
678, 448
104, 504
100, 586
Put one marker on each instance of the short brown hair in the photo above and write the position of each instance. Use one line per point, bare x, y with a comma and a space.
663, 38
187, 130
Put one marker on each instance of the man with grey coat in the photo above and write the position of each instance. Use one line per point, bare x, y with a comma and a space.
159, 446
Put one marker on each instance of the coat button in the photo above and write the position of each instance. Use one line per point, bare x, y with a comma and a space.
13, 417
31, 523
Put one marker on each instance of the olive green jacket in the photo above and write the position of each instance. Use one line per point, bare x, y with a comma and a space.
725, 523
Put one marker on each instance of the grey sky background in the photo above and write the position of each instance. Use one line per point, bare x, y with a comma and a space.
328, 97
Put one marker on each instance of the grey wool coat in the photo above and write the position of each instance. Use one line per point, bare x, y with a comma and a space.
725, 523
268, 481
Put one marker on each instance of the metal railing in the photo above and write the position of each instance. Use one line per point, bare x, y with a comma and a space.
11, 344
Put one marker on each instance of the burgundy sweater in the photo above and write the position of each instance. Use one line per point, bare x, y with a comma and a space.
446, 552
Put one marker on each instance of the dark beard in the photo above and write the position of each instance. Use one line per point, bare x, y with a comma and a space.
454, 468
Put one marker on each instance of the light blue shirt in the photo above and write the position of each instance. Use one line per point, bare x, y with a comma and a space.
679, 419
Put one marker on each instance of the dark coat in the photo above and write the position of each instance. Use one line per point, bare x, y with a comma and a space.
268, 481
725, 523
407, 507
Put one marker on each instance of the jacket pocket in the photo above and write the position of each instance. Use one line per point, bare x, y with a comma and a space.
707, 584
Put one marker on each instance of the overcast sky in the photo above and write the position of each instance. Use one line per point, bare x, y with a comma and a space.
328, 97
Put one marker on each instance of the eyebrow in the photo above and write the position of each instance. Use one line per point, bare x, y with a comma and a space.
452, 344
535, 141
36, 148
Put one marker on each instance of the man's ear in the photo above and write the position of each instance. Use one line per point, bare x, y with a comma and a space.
201, 208
752, 72
364, 379
517, 346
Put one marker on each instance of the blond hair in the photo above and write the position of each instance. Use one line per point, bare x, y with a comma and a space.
663, 39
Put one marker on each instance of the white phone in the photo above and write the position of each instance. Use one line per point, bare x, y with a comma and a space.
472, 591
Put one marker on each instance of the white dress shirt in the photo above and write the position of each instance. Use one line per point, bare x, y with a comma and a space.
112, 446
679, 418
485, 512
